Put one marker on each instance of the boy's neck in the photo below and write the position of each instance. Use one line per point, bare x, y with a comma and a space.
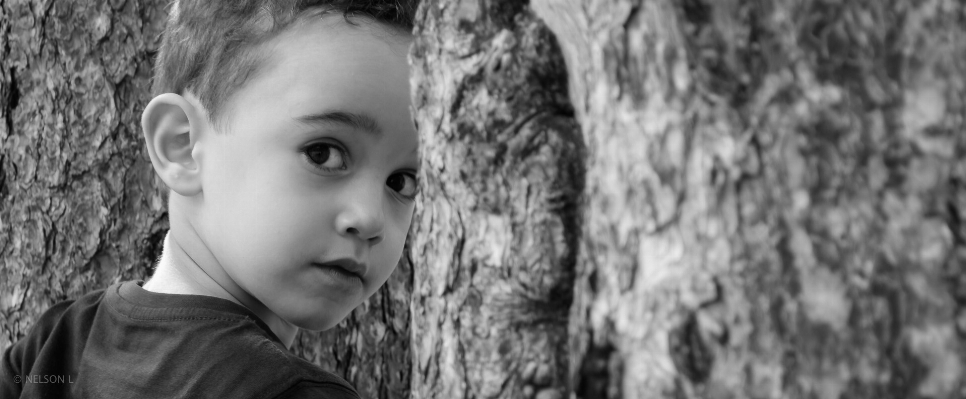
177, 272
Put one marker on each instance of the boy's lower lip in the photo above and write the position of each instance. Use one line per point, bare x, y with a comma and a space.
339, 273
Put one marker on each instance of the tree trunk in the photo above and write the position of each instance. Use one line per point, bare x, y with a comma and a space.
495, 233
80, 206
773, 200
79, 203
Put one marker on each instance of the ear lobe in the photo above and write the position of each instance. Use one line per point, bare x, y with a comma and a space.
171, 130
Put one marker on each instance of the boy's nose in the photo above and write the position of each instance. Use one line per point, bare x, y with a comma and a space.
362, 219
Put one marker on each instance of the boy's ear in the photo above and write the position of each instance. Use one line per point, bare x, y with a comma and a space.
172, 127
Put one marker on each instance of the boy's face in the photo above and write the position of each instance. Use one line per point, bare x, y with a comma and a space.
318, 165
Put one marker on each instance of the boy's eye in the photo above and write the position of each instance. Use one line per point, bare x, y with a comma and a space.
403, 183
325, 156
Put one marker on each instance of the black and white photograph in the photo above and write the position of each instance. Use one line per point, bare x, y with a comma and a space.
483, 199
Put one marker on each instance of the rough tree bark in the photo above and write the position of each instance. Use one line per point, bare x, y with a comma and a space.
80, 207
772, 206
774, 197
495, 232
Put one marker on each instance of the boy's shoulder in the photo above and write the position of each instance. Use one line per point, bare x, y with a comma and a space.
130, 342
48, 340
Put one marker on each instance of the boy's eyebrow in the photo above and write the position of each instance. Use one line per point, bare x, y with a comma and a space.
353, 120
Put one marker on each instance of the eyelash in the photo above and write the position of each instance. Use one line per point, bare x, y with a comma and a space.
416, 190
344, 154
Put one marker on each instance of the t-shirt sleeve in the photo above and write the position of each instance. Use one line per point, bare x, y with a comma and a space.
19, 357
315, 390
8, 375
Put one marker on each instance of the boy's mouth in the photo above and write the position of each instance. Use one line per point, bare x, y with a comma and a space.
348, 266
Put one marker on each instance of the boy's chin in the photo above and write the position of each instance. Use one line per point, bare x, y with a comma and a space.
319, 322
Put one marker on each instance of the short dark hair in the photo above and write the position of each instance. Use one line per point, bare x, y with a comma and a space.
210, 47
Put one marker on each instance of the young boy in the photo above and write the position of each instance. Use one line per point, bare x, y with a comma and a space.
283, 130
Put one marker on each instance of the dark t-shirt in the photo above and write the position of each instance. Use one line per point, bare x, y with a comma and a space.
127, 342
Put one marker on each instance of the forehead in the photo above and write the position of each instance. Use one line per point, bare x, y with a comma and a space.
328, 62
350, 38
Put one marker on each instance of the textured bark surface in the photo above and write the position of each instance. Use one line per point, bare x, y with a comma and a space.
495, 230
80, 207
774, 197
